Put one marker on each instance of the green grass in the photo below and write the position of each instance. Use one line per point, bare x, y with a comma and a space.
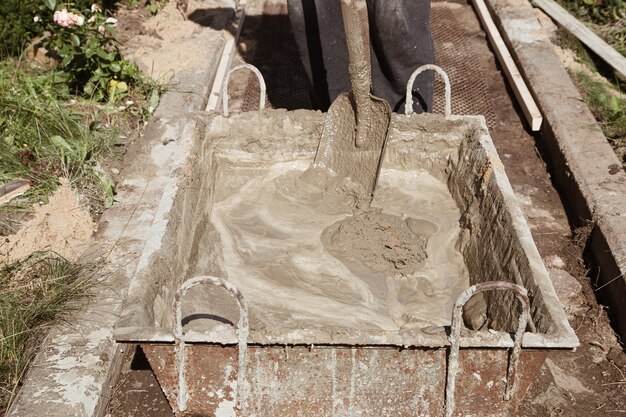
607, 105
34, 293
605, 97
42, 139
47, 133
605, 17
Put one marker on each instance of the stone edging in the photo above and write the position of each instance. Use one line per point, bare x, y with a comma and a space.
580, 156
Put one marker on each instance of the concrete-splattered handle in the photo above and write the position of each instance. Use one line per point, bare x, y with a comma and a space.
262, 87
360, 69
242, 335
455, 337
408, 107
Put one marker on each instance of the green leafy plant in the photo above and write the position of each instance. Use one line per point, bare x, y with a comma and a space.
153, 6
607, 18
90, 62
598, 11
16, 25
18, 29
41, 138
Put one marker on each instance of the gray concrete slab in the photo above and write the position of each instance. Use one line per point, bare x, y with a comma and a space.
580, 156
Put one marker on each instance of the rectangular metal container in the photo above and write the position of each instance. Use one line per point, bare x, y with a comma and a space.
342, 372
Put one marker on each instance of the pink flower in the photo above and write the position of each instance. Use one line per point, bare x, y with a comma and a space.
67, 19
62, 18
78, 19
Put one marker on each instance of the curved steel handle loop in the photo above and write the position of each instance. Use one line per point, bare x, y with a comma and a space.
408, 106
242, 333
455, 337
262, 86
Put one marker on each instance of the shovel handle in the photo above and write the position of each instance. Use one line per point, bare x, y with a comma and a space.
360, 69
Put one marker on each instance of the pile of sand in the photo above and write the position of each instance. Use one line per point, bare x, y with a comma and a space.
170, 42
62, 225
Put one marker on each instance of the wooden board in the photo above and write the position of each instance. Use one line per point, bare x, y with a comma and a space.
215, 97
584, 34
516, 81
13, 189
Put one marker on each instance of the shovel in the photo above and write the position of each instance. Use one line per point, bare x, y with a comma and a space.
357, 123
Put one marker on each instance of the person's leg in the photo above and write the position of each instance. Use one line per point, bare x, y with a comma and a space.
317, 26
401, 41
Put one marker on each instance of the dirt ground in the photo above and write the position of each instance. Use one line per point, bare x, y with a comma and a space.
588, 381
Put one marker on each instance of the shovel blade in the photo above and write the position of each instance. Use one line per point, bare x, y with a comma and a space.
338, 152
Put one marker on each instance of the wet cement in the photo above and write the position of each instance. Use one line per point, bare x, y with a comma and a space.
377, 241
286, 246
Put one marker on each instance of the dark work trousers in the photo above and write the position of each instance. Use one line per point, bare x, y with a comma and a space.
400, 38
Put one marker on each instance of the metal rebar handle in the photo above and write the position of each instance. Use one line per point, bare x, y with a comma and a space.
262, 86
242, 336
455, 337
408, 106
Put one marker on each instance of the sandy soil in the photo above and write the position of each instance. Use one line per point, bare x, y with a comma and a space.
62, 225
160, 44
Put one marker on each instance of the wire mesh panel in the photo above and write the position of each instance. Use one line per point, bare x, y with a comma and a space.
276, 55
458, 50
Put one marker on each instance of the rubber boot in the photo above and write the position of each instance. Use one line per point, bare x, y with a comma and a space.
401, 41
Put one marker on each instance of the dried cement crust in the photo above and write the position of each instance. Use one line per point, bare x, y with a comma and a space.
382, 242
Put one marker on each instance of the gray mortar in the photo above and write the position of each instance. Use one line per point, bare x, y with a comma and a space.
381, 242
580, 156
494, 239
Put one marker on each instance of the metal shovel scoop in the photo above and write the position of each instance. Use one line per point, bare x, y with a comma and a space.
357, 123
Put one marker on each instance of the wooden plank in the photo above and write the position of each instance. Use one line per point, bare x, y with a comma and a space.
584, 34
518, 85
13, 189
227, 58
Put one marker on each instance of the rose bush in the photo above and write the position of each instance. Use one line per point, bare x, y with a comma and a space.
17, 27
89, 61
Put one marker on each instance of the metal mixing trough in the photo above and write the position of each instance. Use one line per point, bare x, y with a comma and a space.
214, 353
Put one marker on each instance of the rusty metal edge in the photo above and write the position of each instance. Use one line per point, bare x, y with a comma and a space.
533, 360
471, 339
